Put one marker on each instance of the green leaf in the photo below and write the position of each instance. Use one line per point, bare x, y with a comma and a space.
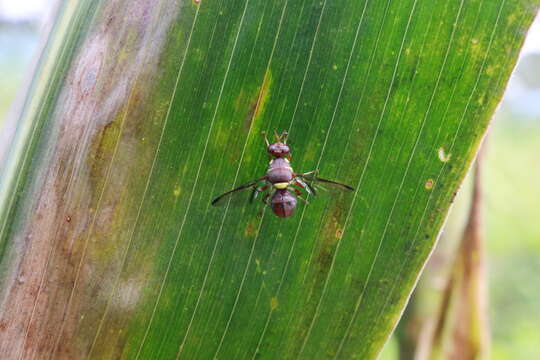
141, 112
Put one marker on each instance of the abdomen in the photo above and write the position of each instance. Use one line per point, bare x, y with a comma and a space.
283, 203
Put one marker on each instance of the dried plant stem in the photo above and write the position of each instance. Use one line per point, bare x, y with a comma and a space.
460, 331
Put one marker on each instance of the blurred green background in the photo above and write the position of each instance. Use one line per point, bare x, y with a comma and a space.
18, 44
511, 187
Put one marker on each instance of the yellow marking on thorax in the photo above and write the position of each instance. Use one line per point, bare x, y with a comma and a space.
282, 185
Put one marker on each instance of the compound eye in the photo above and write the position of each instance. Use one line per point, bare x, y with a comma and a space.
274, 150
284, 149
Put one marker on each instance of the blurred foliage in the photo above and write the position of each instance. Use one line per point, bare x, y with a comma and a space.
512, 180
17, 45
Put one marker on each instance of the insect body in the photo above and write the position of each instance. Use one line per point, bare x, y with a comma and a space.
281, 182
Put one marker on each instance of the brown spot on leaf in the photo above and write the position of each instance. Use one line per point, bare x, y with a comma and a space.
250, 229
325, 258
102, 149
257, 106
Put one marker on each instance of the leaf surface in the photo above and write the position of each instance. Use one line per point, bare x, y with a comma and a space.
141, 112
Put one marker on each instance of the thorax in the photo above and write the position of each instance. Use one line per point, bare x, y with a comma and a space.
279, 171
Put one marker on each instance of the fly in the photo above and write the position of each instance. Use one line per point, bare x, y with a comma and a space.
281, 186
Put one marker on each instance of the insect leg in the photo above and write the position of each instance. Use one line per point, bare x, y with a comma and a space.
309, 173
256, 190
300, 182
283, 137
263, 133
299, 193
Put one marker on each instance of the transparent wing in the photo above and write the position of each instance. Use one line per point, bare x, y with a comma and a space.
243, 194
317, 185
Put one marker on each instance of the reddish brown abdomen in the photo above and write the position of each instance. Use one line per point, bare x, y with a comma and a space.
283, 203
